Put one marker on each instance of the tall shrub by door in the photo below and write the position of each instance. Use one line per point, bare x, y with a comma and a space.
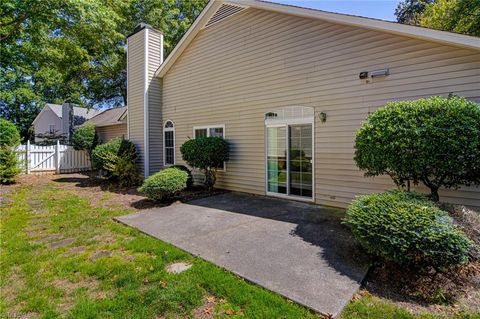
435, 141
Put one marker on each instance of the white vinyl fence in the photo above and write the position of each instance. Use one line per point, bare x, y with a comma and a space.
54, 158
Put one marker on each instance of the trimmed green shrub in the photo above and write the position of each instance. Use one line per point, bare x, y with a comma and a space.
100, 154
117, 159
186, 170
408, 229
9, 142
206, 154
164, 184
85, 138
435, 141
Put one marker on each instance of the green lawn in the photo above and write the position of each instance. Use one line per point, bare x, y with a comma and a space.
103, 269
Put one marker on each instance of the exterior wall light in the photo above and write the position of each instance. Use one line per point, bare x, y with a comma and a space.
322, 116
374, 74
377, 73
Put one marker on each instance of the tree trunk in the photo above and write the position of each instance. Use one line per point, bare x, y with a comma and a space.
434, 194
210, 179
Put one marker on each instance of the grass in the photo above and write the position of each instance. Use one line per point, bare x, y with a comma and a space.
372, 307
129, 283
129, 280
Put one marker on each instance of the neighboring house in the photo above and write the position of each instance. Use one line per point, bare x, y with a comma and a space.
288, 87
59, 120
110, 124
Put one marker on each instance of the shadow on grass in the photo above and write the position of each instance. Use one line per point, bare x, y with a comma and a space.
92, 180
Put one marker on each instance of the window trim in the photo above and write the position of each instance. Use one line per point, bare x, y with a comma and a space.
208, 127
50, 126
168, 129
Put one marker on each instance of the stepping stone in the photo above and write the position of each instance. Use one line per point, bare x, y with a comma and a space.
35, 233
100, 254
47, 238
35, 227
76, 250
177, 268
61, 243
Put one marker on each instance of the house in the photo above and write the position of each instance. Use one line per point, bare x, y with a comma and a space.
59, 120
287, 87
110, 124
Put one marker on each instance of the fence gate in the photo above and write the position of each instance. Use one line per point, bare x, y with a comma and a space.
53, 158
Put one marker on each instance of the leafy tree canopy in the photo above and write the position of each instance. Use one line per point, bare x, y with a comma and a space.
74, 50
408, 11
461, 16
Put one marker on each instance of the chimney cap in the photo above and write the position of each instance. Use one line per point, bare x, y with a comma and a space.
139, 27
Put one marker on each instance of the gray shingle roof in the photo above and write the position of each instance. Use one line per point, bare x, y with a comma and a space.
109, 117
77, 111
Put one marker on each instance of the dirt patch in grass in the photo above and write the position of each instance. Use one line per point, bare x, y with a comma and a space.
69, 289
15, 282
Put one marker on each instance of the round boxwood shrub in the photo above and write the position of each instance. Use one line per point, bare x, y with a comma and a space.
435, 141
408, 229
9, 141
164, 184
206, 154
186, 170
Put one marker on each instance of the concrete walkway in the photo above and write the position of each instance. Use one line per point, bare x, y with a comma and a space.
298, 250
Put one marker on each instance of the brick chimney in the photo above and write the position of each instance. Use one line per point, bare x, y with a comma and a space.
67, 120
144, 57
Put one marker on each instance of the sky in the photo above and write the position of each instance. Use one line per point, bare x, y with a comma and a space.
379, 9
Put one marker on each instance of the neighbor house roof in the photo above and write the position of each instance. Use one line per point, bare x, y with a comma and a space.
77, 111
208, 14
108, 117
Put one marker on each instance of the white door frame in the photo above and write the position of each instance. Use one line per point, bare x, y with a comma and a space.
286, 124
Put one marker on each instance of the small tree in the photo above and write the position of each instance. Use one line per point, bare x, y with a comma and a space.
206, 154
9, 141
435, 141
85, 138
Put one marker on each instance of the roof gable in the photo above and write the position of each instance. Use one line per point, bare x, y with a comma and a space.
217, 10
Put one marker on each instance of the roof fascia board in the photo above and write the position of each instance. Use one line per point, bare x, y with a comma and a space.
123, 116
199, 23
109, 124
390, 27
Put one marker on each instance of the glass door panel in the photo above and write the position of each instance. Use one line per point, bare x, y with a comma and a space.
277, 159
300, 159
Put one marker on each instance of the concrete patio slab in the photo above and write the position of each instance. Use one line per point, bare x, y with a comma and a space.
298, 250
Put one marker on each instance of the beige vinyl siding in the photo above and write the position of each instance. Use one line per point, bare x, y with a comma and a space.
154, 105
135, 89
257, 61
106, 133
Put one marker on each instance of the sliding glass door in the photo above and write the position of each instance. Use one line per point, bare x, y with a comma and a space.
289, 160
300, 160
277, 159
